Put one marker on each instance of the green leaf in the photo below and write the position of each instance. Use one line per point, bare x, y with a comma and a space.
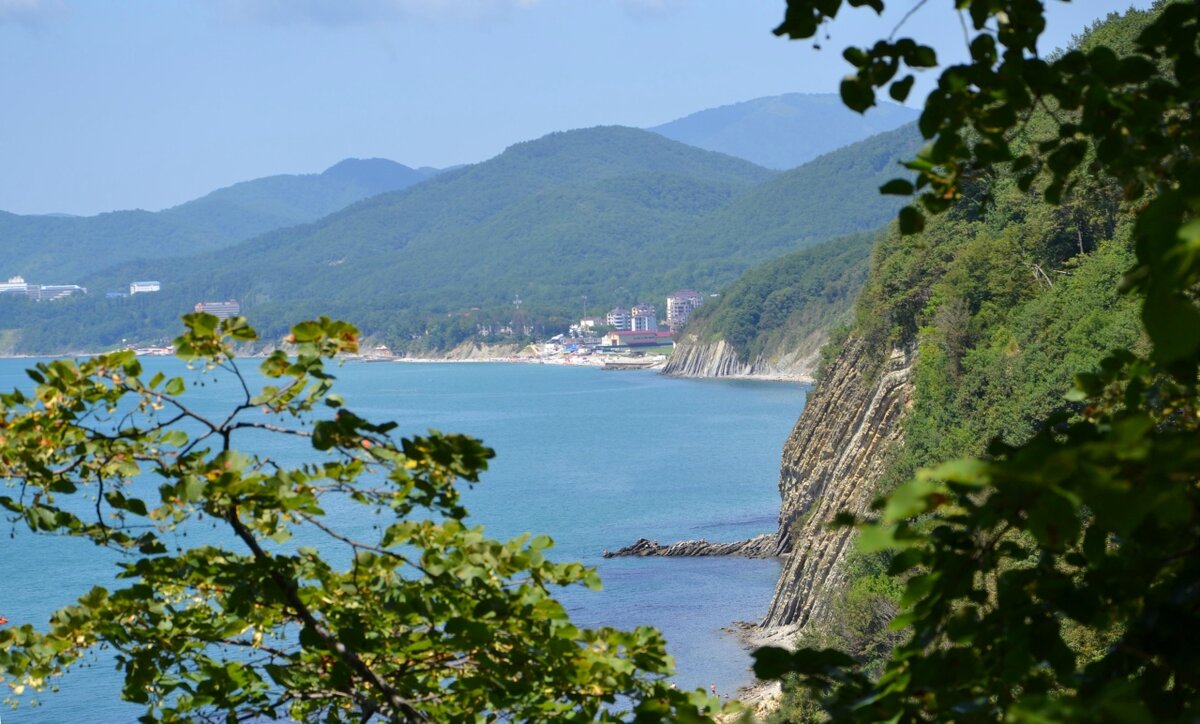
897, 187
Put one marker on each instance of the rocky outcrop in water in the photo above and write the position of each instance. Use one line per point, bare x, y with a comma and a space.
762, 546
694, 358
832, 462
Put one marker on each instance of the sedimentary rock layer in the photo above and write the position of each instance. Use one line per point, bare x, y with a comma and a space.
694, 358
832, 462
762, 546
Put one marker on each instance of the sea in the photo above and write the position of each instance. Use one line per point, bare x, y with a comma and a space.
595, 459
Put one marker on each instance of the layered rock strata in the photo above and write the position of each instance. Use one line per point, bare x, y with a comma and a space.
762, 546
693, 358
832, 462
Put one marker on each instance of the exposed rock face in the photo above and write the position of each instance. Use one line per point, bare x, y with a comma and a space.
694, 358
762, 546
472, 350
832, 462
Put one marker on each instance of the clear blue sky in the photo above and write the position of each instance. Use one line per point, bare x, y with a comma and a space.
110, 104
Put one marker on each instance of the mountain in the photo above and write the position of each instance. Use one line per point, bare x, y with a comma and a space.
784, 131
613, 215
62, 249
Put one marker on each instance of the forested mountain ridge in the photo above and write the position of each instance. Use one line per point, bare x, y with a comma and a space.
613, 214
62, 249
783, 131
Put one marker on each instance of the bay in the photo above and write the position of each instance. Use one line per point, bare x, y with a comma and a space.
594, 459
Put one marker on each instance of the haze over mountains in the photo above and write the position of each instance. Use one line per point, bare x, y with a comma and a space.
784, 131
610, 215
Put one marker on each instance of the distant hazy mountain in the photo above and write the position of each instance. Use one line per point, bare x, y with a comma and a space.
62, 248
784, 131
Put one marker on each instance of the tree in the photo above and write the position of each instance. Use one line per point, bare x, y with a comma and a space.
1057, 579
428, 620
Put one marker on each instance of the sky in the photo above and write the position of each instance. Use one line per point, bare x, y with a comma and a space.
117, 104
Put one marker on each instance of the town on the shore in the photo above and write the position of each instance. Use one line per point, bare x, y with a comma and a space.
635, 332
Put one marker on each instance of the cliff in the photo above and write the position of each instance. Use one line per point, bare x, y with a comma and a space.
832, 462
772, 322
696, 358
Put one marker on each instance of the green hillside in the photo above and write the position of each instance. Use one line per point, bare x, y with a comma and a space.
63, 249
790, 301
784, 131
1002, 304
613, 214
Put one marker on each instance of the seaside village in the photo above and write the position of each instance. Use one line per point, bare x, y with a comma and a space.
621, 339
634, 336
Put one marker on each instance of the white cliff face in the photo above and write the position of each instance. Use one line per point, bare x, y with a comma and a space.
693, 358
832, 462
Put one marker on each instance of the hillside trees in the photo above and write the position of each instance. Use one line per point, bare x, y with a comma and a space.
342, 583
1057, 578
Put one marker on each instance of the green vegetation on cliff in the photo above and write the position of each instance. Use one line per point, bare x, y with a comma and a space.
787, 303
1057, 335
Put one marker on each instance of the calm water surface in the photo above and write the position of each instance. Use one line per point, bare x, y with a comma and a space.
594, 459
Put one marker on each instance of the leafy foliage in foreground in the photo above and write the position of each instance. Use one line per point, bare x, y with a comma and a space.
1057, 579
430, 620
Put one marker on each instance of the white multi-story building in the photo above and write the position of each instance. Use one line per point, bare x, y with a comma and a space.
143, 287
643, 318
220, 310
14, 285
618, 319
680, 306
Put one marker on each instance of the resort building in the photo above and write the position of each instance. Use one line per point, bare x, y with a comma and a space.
220, 310
14, 285
636, 339
680, 306
50, 292
144, 287
618, 319
643, 318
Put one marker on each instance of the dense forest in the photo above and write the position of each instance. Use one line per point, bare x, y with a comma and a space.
1004, 298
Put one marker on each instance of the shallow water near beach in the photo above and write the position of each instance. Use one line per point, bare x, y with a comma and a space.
594, 459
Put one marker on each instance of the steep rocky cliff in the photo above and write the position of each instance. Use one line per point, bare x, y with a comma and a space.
832, 462
696, 358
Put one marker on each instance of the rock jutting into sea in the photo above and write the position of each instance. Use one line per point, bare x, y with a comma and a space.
762, 546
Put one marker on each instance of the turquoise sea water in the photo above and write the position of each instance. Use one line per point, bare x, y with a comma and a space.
594, 459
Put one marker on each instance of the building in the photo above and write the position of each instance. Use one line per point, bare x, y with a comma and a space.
590, 323
643, 318
144, 287
618, 319
220, 310
636, 339
14, 285
50, 292
680, 306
